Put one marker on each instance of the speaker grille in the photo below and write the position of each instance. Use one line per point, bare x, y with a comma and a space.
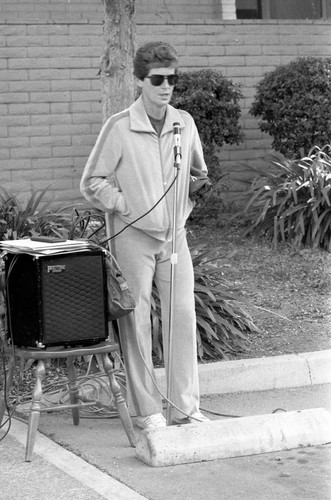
57, 300
73, 298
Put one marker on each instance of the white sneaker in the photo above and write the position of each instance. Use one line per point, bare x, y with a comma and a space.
192, 419
151, 421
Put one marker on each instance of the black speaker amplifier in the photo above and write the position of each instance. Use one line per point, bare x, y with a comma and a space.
57, 299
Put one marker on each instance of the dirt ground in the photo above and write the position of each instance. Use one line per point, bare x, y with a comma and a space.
287, 291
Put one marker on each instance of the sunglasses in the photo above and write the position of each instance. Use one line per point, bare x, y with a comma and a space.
157, 80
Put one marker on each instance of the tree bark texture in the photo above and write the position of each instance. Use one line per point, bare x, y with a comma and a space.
117, 80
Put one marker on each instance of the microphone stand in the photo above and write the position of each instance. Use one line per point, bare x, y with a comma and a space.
173, 263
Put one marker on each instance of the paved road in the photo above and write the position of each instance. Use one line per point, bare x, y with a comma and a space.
101, 443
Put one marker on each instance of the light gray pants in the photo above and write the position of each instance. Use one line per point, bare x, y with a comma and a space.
142, 260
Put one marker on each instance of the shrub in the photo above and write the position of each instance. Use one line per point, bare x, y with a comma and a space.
294, 103
23, 219
17, 219
36, 216
292, 201
213, 101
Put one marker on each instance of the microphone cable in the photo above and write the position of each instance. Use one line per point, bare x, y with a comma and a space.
10, 413
144, 215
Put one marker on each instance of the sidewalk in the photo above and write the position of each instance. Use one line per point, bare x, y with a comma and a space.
95, 461
55, 473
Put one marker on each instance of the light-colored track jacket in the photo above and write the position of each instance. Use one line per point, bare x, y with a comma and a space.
130, 168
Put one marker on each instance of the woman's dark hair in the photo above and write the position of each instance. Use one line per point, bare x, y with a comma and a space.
153, 55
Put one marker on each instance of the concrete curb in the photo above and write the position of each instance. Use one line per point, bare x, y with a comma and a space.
237, 437
246, 375
261, 374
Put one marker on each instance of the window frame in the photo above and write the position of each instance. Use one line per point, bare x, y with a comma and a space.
264, 11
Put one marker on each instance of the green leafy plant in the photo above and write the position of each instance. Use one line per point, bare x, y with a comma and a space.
22, 219
17, 219
223, 324
292, 201
294, 104
88, 224
35, 216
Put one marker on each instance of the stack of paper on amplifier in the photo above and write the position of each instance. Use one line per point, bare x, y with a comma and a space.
43, 247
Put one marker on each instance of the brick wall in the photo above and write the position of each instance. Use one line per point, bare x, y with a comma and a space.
157, 11
160, 11
51, 10
50, 105
50, 92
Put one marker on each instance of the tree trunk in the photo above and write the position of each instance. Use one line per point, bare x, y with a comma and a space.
117, 81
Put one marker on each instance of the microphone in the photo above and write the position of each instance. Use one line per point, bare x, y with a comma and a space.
177, 146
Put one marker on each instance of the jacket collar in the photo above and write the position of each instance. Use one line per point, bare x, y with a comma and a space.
139, 121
